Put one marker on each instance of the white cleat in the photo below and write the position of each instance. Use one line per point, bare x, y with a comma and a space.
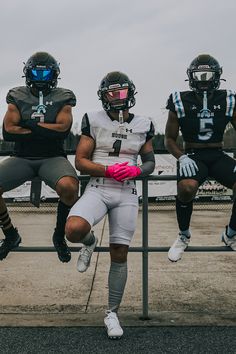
178, 248
114, 330
229, 241
85, 256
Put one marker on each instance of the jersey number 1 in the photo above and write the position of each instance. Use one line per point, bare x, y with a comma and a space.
116, 146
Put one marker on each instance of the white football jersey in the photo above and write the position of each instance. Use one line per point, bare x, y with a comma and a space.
116, 143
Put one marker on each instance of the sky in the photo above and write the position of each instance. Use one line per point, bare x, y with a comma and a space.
152, 41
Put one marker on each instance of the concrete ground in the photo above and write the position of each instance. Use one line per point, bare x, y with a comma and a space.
38, 290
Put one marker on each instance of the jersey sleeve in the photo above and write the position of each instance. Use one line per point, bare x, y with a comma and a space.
231, 97
151, 132
11, 97
70, 98
170, 104
86, 127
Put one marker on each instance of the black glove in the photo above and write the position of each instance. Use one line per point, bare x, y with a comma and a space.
29, 123
32, 124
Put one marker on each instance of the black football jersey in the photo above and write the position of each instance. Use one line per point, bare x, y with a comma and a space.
47, 109
202, 119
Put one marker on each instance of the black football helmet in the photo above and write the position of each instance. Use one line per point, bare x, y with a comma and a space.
41, 71
204, 73
116, 91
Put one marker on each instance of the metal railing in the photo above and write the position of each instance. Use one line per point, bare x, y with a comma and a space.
144, 249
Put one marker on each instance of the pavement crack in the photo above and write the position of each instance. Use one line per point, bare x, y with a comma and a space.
96, 265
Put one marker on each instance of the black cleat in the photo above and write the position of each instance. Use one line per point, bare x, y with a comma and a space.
6, 245
62, 249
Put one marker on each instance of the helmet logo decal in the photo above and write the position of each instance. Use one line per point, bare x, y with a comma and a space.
114, 86
203, 67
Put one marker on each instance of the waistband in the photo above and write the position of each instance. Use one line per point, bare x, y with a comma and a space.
102, 181
193, 150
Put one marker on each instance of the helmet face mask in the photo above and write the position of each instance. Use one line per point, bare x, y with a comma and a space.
41, 74
41, 71
116, 98
116, 91
204, 74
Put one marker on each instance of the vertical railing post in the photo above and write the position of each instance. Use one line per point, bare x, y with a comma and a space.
145, 247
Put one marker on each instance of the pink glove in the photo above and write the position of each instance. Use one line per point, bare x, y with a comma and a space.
126, 172
110, 170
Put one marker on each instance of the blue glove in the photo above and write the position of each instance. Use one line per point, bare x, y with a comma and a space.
187, 166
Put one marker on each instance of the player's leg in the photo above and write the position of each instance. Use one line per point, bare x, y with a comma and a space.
224, 171
186, 191
184, 206
59, 174
122, 224
14, 171
116, 284
86, 212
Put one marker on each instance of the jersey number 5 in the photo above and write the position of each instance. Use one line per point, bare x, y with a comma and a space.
205, 131
116, 146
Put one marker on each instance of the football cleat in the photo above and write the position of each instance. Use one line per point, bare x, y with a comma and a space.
229, 241
178, 247
85, 256
112, 324
62, 249
6, 245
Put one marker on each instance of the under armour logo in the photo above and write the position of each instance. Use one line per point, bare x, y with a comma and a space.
128, 130
193, 107
49, 103
216, 107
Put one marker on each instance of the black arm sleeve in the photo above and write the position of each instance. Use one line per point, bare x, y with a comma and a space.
44, 132
148, 164
16, 137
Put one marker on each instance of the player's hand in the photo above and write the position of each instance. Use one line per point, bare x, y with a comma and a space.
110, 170
126, 172
187, 166
29, 123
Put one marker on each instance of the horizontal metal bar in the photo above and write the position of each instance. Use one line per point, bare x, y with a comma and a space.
131, 249
149, 178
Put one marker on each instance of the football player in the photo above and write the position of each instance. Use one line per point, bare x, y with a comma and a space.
38, 119
202, 115
109, 146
